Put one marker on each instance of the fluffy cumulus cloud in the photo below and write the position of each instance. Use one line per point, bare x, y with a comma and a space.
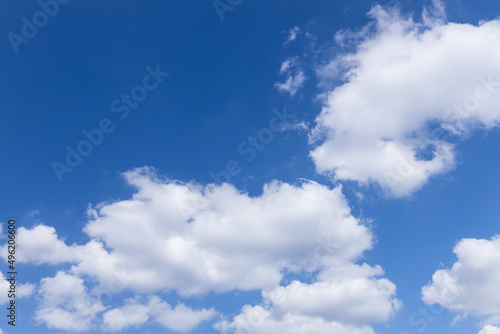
179, 319
470, 287
260, 320
131, 314
41, 245
344, 299
488, 329
409, 89
194, 239
21, 290
65, 303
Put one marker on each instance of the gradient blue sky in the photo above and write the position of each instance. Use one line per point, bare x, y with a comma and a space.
220, 90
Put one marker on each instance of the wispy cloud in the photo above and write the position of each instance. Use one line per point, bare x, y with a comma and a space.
292, 34
295, 77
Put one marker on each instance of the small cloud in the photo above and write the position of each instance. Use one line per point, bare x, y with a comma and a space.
293, 32
287, 64
25, 290
33, 213
473, 277
360, 196
295, 77
292, 84
434, 14
298, 126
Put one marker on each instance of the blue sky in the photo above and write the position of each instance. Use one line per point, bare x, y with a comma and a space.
363, 93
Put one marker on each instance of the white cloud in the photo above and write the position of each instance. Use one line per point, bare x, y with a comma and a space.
194, 239
470, 287
181, 318
408, 88
292, 34
232, 241
21, 290
131, 314
65, 303
295, 77
260, 320
33, 213
287, 64
348, 294
293, 83
178, 319
41, 245
25, 290
488, 329
4, 288
345, 299
434, 15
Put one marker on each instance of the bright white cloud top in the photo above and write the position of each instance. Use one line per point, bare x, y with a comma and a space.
488, 329
470, 287
195, 239
408, 87
345, 299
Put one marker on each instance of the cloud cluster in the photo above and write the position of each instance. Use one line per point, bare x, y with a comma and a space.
194, 239
470, 287
67, 304
409, 90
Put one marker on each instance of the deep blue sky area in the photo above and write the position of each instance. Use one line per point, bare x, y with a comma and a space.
220, 90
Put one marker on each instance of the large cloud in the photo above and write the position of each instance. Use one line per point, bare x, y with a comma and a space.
194, 239
471, 286
408, 88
